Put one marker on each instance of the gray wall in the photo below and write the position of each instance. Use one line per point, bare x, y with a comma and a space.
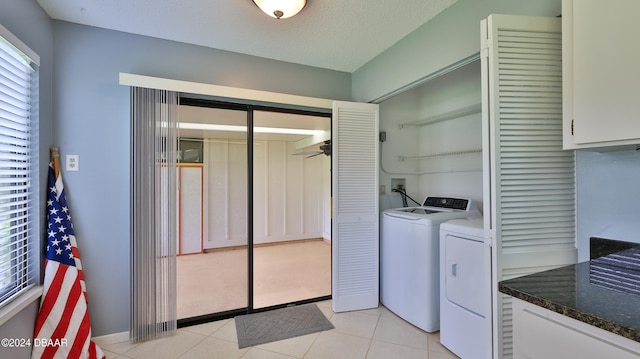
92, 121
608, 197
27, 21
448, 38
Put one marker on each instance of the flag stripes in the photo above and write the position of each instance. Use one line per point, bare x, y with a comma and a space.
63, 328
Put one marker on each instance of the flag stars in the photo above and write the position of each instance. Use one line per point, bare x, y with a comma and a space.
52, 234
62, 229
55, 242
53, 211
58, 220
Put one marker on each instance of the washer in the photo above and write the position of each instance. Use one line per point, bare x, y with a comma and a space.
464, 296
409, 258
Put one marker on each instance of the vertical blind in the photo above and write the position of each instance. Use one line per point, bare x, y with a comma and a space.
19, 229
153, 212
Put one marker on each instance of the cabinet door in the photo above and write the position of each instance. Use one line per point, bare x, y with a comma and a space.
601, 72
540, 333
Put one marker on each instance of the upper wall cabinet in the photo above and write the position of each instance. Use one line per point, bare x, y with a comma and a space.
601, 74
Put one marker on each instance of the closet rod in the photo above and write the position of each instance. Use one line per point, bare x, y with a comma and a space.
442, 154
469, 110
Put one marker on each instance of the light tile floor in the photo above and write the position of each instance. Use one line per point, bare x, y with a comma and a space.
374, 334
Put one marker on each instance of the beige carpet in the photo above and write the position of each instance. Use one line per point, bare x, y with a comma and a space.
215, 282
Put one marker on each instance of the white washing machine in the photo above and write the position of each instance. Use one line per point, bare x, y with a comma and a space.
409, 258
465, 328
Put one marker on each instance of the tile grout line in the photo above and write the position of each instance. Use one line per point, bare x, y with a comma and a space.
373, 335
318, 336
194, 345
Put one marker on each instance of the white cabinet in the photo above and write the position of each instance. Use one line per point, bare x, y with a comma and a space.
541, 333
601, 76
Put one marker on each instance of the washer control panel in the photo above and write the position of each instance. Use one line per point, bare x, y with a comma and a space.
450, 203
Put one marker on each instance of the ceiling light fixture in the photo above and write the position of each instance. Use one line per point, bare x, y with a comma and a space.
280, 9
231, 128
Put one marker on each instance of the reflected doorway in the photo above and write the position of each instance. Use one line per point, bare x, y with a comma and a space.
235, 260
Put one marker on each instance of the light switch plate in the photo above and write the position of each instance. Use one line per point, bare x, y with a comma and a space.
73, 163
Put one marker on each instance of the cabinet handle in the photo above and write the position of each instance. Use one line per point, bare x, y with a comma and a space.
571, 127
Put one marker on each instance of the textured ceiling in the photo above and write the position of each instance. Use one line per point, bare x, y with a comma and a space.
340, 35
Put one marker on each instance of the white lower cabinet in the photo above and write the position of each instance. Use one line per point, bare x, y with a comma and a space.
539, 333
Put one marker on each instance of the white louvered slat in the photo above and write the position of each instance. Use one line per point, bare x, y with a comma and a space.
531, 183
355, 206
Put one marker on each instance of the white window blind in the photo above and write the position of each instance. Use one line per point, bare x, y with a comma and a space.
18, 175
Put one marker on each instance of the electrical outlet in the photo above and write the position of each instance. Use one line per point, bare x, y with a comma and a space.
73, 163
383, 189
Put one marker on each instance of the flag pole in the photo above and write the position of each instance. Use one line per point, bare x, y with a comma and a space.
55, 157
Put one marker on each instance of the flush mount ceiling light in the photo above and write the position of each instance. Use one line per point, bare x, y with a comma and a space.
280, 9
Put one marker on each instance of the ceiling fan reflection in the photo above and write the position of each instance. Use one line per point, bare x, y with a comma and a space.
324, 149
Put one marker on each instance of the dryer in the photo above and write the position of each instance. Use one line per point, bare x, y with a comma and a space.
409, 258
465, 298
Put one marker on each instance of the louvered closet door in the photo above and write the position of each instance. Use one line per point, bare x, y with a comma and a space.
529, 182
355, 206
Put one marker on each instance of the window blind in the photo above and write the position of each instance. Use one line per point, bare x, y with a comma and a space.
19, 232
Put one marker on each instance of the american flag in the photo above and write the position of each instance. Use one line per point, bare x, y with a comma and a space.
62, 328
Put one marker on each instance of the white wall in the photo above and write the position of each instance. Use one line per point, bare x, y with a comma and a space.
288, 193
608, 197
460, 175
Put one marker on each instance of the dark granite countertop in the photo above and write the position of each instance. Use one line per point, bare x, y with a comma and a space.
603, 292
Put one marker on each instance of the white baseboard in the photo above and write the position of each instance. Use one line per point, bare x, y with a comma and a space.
109, 339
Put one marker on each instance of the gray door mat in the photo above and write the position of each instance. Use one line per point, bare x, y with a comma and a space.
260, 328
